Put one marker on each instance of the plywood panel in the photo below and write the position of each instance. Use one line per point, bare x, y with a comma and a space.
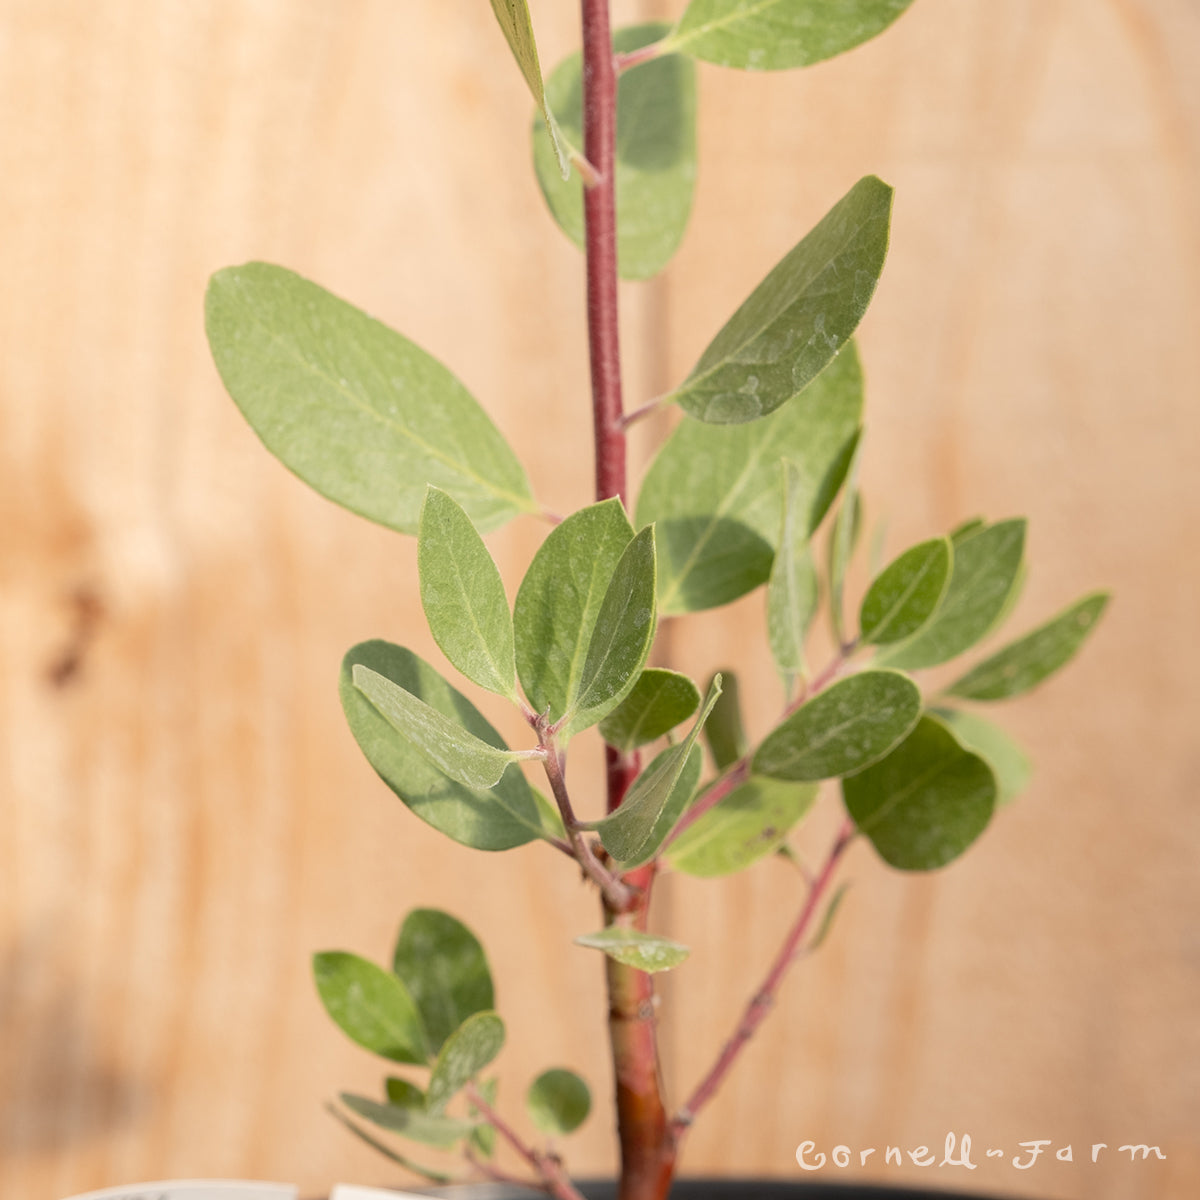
185, 820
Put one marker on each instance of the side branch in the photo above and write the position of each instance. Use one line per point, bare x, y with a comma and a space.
764, 999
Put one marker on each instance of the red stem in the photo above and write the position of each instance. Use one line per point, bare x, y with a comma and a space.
764, 999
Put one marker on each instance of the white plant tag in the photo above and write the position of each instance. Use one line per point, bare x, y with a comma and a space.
345, 1191
196, 1189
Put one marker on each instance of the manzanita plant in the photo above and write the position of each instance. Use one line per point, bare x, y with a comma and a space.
765, 446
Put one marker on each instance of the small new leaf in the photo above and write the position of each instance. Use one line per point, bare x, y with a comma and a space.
465, 1053
659, 701
558, 1101
429, 1128
371, 1006
643, 951
907, 593
723, 730
792, 588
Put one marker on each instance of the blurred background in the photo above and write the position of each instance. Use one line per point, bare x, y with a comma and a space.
184, 818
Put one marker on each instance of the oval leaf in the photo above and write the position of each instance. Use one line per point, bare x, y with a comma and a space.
1035, 657
428, 1128
643, 951
371, 1006
655, 153
506, 816
748, 824
463, 596
842, 729
660, 700
445, 969
559, 601
463, 1055
772, 35
352, 407
558, 1101
907, 593
799, 317
404, 1094
443, 741
714, 493
620, 639
1010, 764
985, 573
926, 802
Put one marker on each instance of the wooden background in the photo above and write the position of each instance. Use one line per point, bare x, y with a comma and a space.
184, 818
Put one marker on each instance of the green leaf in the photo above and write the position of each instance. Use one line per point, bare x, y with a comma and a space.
628, 834
429, 1128
799, 317
831, 911
558, 1101
926, 802
714, 493
1009, 763
352, 407
655, 153
772, 35
445, 969
748, 824
723, 730
1035, 657
792, 588
678, 801
465, 1053
642, 951
907, 593
513, 18
499, 819
404, 1094
620, 639
660, 700
559, 601
370, 1005
427, 1173
463, 596
842, 729
843, 541
987, 567
467, 759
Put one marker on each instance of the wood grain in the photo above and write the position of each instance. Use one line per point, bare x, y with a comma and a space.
185, 819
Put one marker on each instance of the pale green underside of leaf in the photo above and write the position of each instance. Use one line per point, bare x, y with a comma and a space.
799, 317
463, 596
655, 153
748, 824
792, 590
659, 701
842, 729
643, 951
443, 741
370, 1005
465, 1053
986, 570
771, 35
558, 1101
715, 496
1035, 657
356, 410
427, 1128
679, 799
926, 802
496, 819
907, 592
445, 969
1009, 762
559, 600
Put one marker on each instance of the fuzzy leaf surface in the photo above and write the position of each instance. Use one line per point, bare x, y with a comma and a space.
428, 1128
498, 819
1025, 663
359, 412
906, 593
371, 1006
655, 153
558, 1101
985, 574
800, 316
559, 601
748, 824
463, 596
792, 590
842, 729
644, 951
679, 799
715, 495
772, 35
659, 701
926, 802
465, 1053
1009, 762
445, 970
